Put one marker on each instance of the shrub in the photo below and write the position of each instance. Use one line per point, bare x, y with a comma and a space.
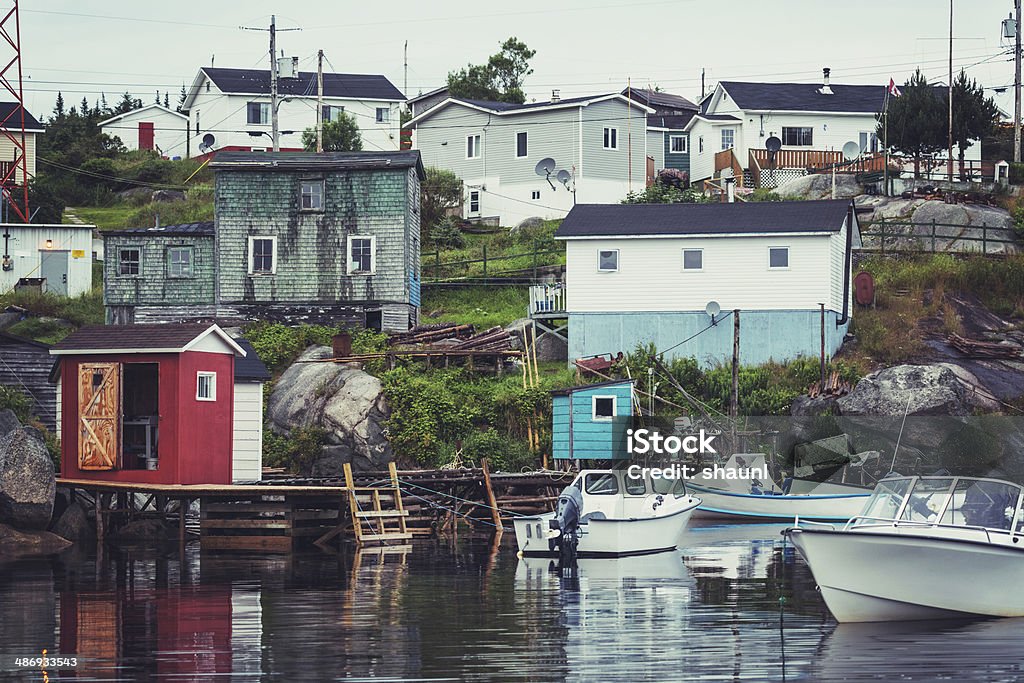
295, 452
447, 235
13, 399
278, 344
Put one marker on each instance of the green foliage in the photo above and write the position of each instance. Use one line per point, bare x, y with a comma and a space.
916, 123
483, 307
440, 191
46, 330
499, 80
295, 452
1018, 215
1016, 172
340, 135
660, 193
44, 204
974, 114
17, 402
278, 344
447, 235
86, 309
197, 207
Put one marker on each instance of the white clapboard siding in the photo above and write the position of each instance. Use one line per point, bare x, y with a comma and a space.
247, 460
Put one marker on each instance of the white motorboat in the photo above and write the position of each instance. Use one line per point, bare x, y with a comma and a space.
923, 548
743, 489
617, 516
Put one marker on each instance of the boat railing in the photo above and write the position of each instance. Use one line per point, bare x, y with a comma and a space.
933, 525
797, 522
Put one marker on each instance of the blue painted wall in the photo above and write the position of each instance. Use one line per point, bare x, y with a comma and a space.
677, 161
764, 335
575, 434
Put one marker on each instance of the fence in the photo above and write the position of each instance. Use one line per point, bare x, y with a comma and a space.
526, 266
907, 237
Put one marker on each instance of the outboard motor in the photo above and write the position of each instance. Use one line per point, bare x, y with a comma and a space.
565, 527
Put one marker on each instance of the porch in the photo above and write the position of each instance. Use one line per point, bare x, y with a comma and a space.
547, 309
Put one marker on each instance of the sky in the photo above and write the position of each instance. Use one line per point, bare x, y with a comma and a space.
583, 46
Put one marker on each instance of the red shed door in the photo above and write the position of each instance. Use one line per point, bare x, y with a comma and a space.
99, 408
145, 135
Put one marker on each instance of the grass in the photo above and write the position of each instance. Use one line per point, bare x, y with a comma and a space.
197, 206
103, 217
480, 306
505, 253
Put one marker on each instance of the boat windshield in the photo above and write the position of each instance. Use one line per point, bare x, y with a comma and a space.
950, 501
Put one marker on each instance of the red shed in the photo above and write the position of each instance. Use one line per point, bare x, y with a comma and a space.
147, 403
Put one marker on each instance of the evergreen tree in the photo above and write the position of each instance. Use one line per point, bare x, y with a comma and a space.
974, 115
85, 106
916, 123
58, 108
182, 96
167, 101
104, 107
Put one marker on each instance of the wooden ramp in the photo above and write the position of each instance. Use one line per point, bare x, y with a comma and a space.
377, 513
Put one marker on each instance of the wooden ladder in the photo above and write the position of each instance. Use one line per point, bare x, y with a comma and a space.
376, 511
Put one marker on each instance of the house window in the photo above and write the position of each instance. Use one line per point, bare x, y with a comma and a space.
728, 138
608, 260
180, 262
383, 115
798, 136
778, 257
868, 142
331, 112
206, 386
362, 257
677, 144
700, 144
473, 147
535, 194
603, 408
693, 259
262, 255
611, 138
520, 145
474, 201
129, 261
312, 195
258, 113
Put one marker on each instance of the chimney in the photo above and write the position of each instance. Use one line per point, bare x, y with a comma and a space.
556, 95
825, 89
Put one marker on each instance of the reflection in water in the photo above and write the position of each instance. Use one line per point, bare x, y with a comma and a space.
468, 612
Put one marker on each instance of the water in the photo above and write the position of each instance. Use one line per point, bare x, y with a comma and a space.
736, 604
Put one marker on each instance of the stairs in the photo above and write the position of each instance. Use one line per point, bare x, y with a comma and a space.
377, 514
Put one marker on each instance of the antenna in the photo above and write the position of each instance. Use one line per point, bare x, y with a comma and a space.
851, 150
544, 168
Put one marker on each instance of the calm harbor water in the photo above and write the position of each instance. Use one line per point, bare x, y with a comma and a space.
736, 604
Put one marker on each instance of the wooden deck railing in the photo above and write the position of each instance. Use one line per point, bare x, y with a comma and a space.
797, 158
546, 300
727, 159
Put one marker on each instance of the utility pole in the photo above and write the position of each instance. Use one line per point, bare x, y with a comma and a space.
1016, 83
949, 164
405, 65
320, 101
274, 133
734, 396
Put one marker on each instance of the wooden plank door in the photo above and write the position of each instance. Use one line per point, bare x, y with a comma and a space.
99, 416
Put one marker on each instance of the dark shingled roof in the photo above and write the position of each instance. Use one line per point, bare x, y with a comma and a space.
12, 109
203, 228
323, 161
250, 367
620, 220
351, 86
675, 122
127, 337
660, 100
719, 117
866, 99
596, 385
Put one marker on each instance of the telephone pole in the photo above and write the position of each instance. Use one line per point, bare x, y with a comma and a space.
275, 134
1016, 83
949, 165
320, 101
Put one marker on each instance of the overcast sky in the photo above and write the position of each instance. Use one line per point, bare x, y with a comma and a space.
583, 46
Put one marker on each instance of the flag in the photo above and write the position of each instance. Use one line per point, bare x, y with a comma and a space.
893, 90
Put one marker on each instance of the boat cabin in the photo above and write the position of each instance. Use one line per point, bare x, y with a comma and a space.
589, 422
147, 403
614, 494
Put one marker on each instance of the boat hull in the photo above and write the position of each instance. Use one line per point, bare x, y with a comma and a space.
721, 504
881, 575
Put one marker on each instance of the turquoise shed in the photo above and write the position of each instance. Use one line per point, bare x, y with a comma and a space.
589, 422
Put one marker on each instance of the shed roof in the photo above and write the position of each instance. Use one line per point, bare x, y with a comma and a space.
140, 338
660, 100
596, 385
348, 86
317, 161
630, 220
250, 367
8, 339
201, 228
861, 99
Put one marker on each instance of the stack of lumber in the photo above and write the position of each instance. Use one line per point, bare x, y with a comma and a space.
456, 337
430, 334
976, 348
494, 339
834, 387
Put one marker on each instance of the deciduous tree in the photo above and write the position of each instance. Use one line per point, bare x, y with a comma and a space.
500, 79
340, 135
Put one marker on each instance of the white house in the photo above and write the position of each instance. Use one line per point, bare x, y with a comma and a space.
646, 273
152, 127
11, 113
598, 146
247, 444
813, 121
233, 106
57, 258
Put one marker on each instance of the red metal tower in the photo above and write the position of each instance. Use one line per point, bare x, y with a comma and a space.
12, 126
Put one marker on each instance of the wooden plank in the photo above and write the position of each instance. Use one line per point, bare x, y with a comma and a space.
245, 507
228, 491
301, 515
381, 513
281, 544
245, 524
99, 407
391, 536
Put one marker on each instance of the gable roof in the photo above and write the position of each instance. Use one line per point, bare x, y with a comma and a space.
140, 338
318, 161
250, 368
13, 110
664, 220
660, 100
583, 387
161, 107
8, 339
859, 99
257, 82
509, 109
201, 228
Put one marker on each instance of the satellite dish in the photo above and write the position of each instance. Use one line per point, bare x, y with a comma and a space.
712, 309
544, 167
563, 177
208, 141
851, 150
773, 144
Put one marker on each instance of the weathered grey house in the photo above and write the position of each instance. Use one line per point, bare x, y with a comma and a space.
25, 365
298, 237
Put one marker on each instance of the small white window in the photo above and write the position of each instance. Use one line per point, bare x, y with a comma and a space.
728, 138
611, 138
362, 254
179, 262
693, 259
472, 146
206, 386
312, 195
521, 147
474, 201
677, 144
331, 112
778, 258
383, 115
535, 194
608, 260
603, 408
262, 255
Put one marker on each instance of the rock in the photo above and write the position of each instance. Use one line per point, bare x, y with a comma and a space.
552, 347
805, 406
977, 221
527, 224
14, 542
819, 186
168, 196
929, 389
342, 399
27, 482
975, 393
141, 193
8, 421
74, 525
146, 531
